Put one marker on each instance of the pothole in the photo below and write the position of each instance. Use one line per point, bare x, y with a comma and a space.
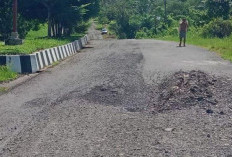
106, 93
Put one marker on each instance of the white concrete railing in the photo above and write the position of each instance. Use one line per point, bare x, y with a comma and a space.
39, 60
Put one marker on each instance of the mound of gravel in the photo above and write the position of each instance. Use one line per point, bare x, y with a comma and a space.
186, 89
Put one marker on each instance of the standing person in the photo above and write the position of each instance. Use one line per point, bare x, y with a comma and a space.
183, 30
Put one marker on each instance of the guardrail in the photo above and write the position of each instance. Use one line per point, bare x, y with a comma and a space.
39, 60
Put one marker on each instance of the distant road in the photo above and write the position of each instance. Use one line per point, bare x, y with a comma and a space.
96, 104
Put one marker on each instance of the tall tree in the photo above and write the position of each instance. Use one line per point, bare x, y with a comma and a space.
6, 21
62, 16
219, 8
165, 10
5, 18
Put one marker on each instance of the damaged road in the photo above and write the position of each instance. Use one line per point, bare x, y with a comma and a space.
187, 89
123, 98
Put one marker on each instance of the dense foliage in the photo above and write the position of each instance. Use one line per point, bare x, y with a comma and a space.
152, 18
217, 28
63, 16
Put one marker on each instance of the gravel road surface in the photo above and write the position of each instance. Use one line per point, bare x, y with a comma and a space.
98, 104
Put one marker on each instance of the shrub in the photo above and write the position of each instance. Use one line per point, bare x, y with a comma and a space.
141, 34
217, 28
103, 20
99, 26
173, 31
82, 27
113, 26
6, 74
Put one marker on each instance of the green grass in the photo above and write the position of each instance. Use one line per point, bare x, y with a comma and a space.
99, 26
35, 41
55, 63
221, 46
3, 89
6, 74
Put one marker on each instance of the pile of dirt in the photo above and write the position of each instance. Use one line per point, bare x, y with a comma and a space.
186, 89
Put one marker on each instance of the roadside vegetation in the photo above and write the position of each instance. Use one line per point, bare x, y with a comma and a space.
45, 23
37, 40
222, 46
110, 33
210, 22
6, 74
99, 26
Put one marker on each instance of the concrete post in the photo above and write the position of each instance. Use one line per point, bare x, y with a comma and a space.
15, 11
14, 38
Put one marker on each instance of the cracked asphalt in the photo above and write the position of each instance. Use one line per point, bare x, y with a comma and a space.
97, 104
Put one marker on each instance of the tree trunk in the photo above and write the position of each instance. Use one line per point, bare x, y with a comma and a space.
165, 11
53, 28
49, 19
49, 23
60, 29
57, 29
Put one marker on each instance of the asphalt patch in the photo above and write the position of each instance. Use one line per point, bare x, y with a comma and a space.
123, 84
107, 94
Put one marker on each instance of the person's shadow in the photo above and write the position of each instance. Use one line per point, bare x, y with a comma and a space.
180, 46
